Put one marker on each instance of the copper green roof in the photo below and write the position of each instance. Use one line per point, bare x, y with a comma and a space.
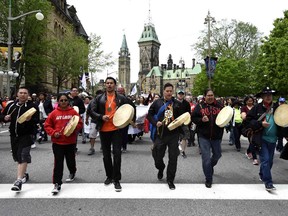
124, 46
156, 71
149, 34
182, 73
174, 74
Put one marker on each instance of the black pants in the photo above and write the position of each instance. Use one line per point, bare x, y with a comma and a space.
158, 153
112, 168
60, 152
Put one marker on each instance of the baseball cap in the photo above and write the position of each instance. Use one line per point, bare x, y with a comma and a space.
180, 92
281, 99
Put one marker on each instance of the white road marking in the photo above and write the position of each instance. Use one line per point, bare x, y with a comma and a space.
148, 191
5, 131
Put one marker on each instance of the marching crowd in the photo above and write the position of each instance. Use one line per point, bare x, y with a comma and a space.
66, 116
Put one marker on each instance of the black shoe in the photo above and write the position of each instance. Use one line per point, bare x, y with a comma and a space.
25, 178
171, 185
108, 181
160, 175
270, 188
17, 185
117, 186
208, 184
56, 189
238, 149
71, 177
83, 141
183, 154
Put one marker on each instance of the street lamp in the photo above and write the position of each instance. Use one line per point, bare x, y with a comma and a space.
208, 21
39, 16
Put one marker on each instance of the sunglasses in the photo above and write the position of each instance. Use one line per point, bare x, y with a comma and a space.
65, 100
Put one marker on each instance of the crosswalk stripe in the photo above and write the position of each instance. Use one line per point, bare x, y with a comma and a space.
148, 191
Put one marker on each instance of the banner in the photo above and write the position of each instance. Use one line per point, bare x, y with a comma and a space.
210, 69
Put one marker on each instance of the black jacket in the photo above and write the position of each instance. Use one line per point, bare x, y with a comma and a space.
27, 127
207, 130
253, 116
153, 110
77, 101
98, 107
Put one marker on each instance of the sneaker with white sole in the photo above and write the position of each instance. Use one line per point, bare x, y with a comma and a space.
56, 189
255, 162
270, 188
71, 177
117, 186
17, 186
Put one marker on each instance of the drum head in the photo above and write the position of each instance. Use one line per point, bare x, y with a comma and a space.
224, 116
76, 108
281, 115
70, 127
123, 116
182, 119
26, 115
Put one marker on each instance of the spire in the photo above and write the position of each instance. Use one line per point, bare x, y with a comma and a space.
149, 32
124, 51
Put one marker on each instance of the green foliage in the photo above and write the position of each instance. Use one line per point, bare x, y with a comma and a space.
274, 56
67, 56
236, 44
28, 33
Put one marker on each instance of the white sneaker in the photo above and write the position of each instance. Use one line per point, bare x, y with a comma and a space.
33, 146
56, 189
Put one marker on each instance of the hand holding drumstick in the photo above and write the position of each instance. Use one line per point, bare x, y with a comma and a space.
205, 118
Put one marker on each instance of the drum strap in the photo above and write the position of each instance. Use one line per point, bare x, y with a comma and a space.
156, 118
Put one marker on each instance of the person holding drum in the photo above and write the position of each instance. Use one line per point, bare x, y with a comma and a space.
261, 118
209, 133
103, 110
63, 125
23, 116
160, 114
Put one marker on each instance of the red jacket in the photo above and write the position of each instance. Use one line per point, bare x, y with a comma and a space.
56, 122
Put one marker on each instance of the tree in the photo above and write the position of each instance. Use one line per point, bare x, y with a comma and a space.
97, 59
236, 44
273, 58
29, 34
66, 56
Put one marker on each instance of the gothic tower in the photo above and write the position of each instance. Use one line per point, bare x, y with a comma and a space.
124, 66
149, 46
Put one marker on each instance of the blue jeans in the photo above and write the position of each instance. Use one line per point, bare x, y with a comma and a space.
208, 161
266, 156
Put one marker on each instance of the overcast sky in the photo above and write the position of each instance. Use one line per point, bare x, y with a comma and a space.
178, 23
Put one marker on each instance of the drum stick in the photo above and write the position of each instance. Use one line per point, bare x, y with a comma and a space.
12, 111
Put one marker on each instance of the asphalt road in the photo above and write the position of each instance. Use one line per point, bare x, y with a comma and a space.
138, 168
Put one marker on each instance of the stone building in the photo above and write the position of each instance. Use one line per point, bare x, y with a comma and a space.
151, 76
62, 17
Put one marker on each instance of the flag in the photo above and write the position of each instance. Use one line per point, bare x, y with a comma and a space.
83, 81
134, 90
210, 69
